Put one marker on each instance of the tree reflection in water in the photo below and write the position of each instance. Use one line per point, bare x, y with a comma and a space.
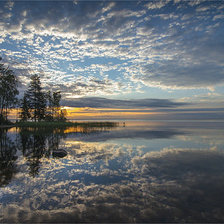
38, 143
34, 143
7, 158
127, 179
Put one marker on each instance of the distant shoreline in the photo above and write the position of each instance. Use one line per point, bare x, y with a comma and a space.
61, 124
98, 123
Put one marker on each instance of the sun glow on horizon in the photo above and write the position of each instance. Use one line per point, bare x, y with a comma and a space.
106, 113
96, 113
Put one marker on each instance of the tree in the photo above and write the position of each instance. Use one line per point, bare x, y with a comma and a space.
38, 105
53, 106
25, 112
54, 111
49, 110
58, 113
36, 99
56, 104
8, 91
62, 115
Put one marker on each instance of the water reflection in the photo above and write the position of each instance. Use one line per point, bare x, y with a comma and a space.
7, 158
38, 143
153, 177
34, 144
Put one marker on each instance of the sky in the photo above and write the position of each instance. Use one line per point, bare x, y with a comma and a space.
120, 59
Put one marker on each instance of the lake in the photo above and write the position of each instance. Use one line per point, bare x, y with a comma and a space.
139, 171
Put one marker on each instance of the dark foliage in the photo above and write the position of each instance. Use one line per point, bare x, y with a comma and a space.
8, 92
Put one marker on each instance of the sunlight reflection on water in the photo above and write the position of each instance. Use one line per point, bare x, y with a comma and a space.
140, 172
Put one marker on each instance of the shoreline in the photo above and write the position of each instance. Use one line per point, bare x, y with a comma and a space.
7, 126
43, 124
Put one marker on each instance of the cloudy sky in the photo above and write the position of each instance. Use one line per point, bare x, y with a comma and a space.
124, 59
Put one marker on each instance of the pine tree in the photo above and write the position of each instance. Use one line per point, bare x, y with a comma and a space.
8, 91
25, 113
62, 115
56, 105
36, 99
49, 110
54, 111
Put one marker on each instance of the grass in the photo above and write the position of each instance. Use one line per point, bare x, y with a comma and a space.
4, 123
61, 124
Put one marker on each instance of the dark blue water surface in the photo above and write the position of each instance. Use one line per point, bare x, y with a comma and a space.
140, 171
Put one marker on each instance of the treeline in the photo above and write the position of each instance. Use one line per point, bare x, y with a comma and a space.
36, 104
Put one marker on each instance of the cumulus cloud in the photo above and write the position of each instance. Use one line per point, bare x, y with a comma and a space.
162, 44
174, 74
156, 5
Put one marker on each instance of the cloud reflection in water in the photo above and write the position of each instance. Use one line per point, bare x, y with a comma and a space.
114, 182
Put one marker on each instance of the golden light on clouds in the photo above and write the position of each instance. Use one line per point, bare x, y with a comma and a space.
106, 113
83, 113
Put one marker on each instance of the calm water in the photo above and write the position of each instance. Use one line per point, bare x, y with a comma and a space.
140, 172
